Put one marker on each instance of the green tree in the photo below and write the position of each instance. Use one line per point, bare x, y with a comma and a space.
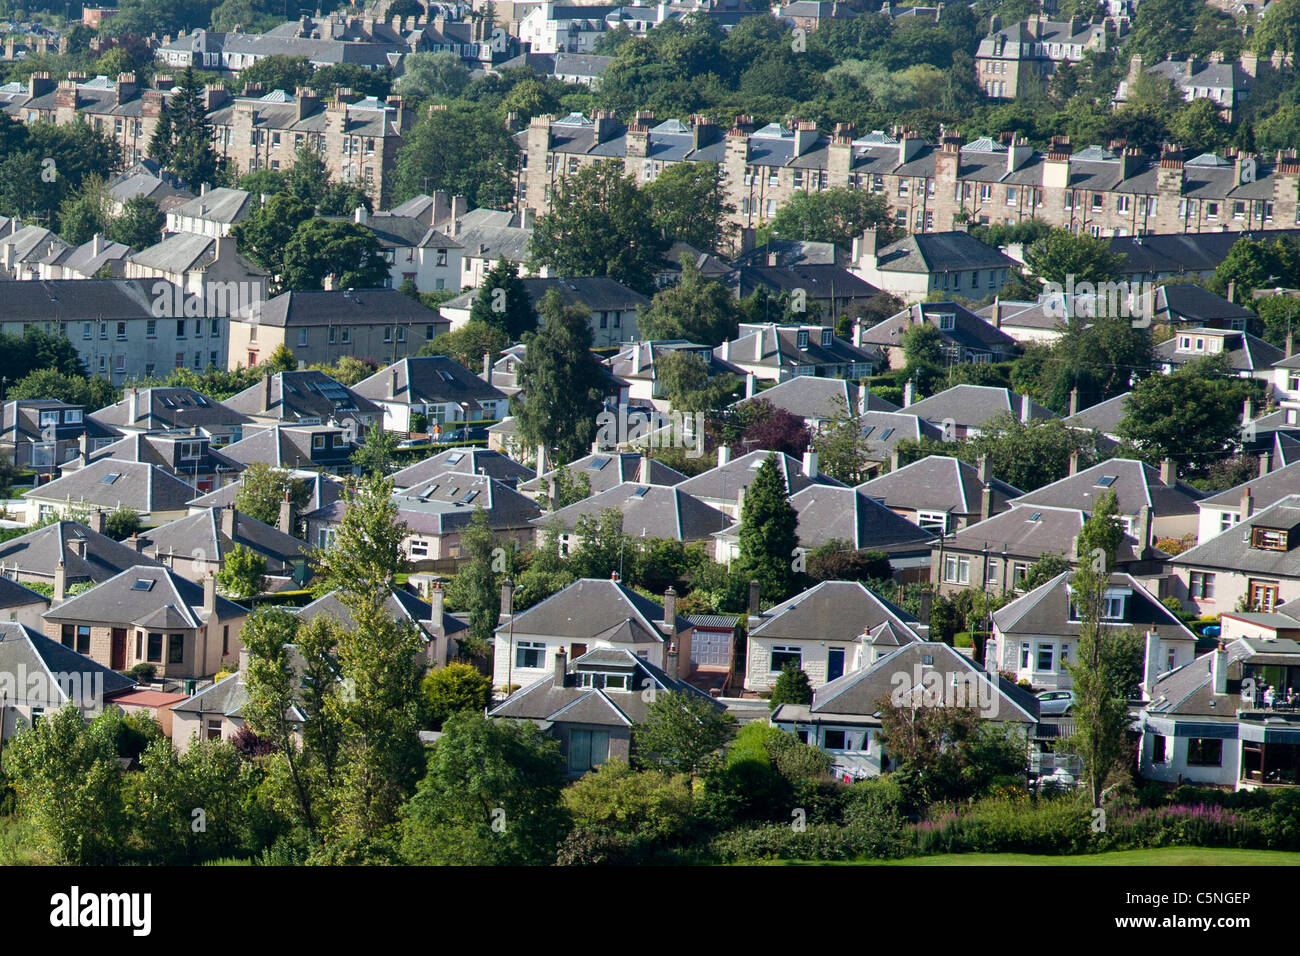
681, 733
615, 800
262, 488
1061, 254
345, 251
689, 204
182, 140
768, 534
76, 389
562, 379
140, 225
377, 454
600, 224
837, 215
841, 446
264, 234
697, 309
452, 689
1044, 568
243, 574
791, 687
85, 215
474, 588
463, 149
425, 76
490, 797
503, 303
468, 344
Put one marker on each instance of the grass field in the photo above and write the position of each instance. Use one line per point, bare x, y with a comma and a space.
1163, 856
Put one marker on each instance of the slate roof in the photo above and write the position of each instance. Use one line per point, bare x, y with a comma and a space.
834, 611
654, 511
428, 379
1104, 417
598, 293
160, 409
976, 406
932, 252
1244, 352
1231, 550
769, 345
1265, 490
323, 488
938, 483
122, 600
1045, 611
1135, 484
146, 488
182, 252
25, 651
1031, 532
1185, 302
305, 393
40, 551
884, 430
724, 482
829, 514
202, 532
493, 234
813, 397
589, 606
446, 503
1188, 691
474, 461
604, 470
13, 594
72, 300
222, 205
969, 331
288, 446
402, 605
345, 307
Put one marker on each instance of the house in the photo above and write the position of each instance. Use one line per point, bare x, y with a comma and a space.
23, 251
1182, 305
151, 615
844, 716
84, 552
1224, 83
1247, 356
212, 214
819, 401
149, 180
918, 265
327, 447
304, 397
437, 628
1036, 636
217, 711
1221, 511
1037, 321
1250, 566
605, 470
1021, 58
1172, 504
965, 336
554, 28
822, 293
827, 631
1207, 724
438, 389
614, 307
437, 512
322, 489
198, 545
593, 708
322, 327
860, 523
996, 554
21, 604
941, 494
416, 251
188, 456
724, 486
160, 409
588, 615
210, 272
41, 434
635, 365
154, 494
1103, 418
44, 676
96, 257
965, 411
486, 236
152, 703
650, 511
774, 353
472, 461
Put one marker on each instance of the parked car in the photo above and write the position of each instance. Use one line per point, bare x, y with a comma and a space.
1052, 703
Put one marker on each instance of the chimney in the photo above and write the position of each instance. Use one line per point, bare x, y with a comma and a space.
1151, 665
751, 384
893, 460
487, 367
1074, 401
909, 393
986, 502
1264, 459
1074, 462
360, 216
636, 358
1232, 290
997, 312
209, 595
97, 520
285, 521
541, 460
133, 404
724, 454
865, 248
437, 603
135, 543
1024, 408
1219, 669
1143, 529
982, 469
1247, 411
1247, 503
753, 599
670, 611
643, 473
228, 521
810, 464
60, 583
83, 447
507, 600
1168, 471
857, 333
561, 667
78, 546
266, 391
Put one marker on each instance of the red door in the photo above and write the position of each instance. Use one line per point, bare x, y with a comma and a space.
119, 649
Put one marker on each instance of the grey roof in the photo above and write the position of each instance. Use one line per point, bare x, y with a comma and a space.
598, 293
844, 611
446, 503
1040, 314
968, 332
474, 461
93, 254
1188, 691
813, 397
305, 393
581, 64
724, 482
941, 252
345, 306
162, 450
828, 514
223, 205
202, 532
1185, 302
774, 346
976, 406
604, 470
34, 244
70, 300
1104, 417
493, 234
159, 409
288, 446
323, 488
588, 607
124, 600
13, 594
884, 430
428, 379
146, 488
1045, 611
25, 651
1231, 550
1032, 531
1265, 490
39, 552
402, 605
1135, 483
653, 511
938, 483
182, 252
569, 702
1244, 352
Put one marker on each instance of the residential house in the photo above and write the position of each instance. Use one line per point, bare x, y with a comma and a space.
1250, 566
965, 411
144, 410
918, 265
213, 213
965, 336
774, 353
604, 471
198, 545
216, 712
1247, 356
186, 455
884, 430
635, 366
1035, 637
821, 293
437, 628
439, 389
819, 401
324, 326
416, 252
942, 494
724, 486
327, 447
472, 461
83, 552
1022, 58
1103, 418
41, 434
1224, 83
1037, 321
94, 258
151, 615
216, 283
486, 236
322, 489
1181, 305
21, 604
23, 251
649, 511
304, 397
155, 494
1221, 511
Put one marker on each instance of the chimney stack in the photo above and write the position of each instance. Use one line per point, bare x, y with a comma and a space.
670, 611
60, 583
437, 603
98, 520
724, 454
753, 599
285, 522
561, 667
986, 502
909, 393
209, 595
751, 381
228, 521
982, 469
1074, 462
810, 464
1074, 402
1265, 458
1219, 669
1151, 666
1143, 529
1247, 503
507, 600
1168, 471
1024, 408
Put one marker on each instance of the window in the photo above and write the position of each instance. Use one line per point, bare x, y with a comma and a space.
833, 740
1269, 539
1204, 752
175, 648
302, 338
1201, 586
588, 749
782, 655
212, 728
1158, 754
1113, 607
936, 521
317, 442
121, 331
388, 333
956, 568
948, 320
1024, 656
155, 648
151, 329
530, 655
1263, 595
1046, 656
347, 335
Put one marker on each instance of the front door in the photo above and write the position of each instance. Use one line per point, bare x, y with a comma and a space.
834, 663
119, 649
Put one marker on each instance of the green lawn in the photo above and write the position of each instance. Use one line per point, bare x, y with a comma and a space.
1163, 856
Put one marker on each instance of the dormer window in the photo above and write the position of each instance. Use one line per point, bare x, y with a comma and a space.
947, 321
827, 335
1269, 539
803, 338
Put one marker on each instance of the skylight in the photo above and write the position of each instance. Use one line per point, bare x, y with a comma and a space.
111, 477
454, 459
598, 463
640, 492
1105, 481
142, 584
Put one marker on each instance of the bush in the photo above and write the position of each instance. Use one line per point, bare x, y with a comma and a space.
144, 673
817, 842
619, 801
792, 687
1051, 826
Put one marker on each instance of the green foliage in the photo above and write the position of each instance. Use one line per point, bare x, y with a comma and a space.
377, 453
76, 389
182, 140
768, 534
697, 309
503, 303
617, 800
462, 149
121, 523
429, 76
791, 687
474, 588
837, 215
321, 248
681, 732
243, 574
262, 488
689, 204
452, 689
469, 343
840, 445
1062, 254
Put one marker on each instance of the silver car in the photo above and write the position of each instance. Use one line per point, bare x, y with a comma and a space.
1053, 703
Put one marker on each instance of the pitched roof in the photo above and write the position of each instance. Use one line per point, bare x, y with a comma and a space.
203, 532
814, 397
589, 606
976, 406
834, 611
604, 470
941, 252
345, 306
303, 394
1033, 531
428, 379
111, 483
1135, 483
402, 605
1232, 550
967, 331
142, 596
474, 461
724, 482
39, 552
1046, 610
938, 483
157, 409
60, 670
1104, 417
658, 511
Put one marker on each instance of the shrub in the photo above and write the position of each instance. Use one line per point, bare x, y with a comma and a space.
617, 800
142, 672
1050, 826
816, 842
